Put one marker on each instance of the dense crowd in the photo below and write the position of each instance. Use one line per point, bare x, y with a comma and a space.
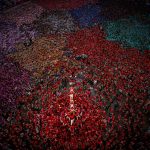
68, 87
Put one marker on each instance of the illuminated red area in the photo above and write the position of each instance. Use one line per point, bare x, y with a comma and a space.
110, 94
